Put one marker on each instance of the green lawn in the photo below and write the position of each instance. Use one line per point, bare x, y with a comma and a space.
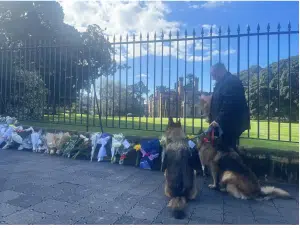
154, 126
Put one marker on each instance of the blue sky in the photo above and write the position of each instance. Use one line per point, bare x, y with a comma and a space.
128, 18
243, 13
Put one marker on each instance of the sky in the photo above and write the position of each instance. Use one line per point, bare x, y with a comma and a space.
133, 17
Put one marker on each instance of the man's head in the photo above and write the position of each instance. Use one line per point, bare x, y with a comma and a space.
218, 71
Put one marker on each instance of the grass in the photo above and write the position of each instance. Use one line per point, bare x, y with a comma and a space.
153, 126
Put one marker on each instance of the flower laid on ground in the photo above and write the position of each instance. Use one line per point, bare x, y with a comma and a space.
163, 140
190, 136
123, 156
137, 147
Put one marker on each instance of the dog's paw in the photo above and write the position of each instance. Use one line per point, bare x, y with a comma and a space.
167, 195
212, 186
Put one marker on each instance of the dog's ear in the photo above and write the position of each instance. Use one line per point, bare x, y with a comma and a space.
171, 122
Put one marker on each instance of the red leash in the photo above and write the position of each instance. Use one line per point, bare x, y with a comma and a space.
211, 139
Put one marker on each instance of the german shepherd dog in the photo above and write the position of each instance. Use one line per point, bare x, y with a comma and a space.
180, 177
229, 171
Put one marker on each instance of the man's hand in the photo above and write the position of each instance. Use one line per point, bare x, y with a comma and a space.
214, 124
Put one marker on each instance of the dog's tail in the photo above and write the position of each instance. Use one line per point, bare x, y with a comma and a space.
177, 205
270, 192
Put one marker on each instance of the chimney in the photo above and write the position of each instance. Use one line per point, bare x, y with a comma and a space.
180, 86
196, 84
181, 81
160, 104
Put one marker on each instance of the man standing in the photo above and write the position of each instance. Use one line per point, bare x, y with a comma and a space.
229, 108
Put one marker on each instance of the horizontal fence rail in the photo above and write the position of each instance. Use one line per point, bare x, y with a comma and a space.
137, 82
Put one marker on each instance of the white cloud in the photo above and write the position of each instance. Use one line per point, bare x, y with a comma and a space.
184, 48
194, 6
198, 58
207, 5
135, 17
208, 27
231, 51
119, 17
215, 52
212, 4
198, 45
225, 52
141, 75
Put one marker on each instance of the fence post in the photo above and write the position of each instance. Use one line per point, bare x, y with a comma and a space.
89, 87
238, 64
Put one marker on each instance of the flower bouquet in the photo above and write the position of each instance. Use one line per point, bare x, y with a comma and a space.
117, 147
11, 136
62, 142
70, 145
103, 143
128, 153
82, 148
150, 151
52, 140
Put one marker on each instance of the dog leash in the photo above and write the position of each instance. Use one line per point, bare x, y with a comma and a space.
211, 132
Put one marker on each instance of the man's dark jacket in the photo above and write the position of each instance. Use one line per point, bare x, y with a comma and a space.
229, 106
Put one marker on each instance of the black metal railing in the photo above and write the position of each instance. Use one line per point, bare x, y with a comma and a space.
125, 82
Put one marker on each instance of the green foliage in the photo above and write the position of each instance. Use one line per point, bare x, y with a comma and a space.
122, 100
273, 87
27, 96
38, 40
59, 62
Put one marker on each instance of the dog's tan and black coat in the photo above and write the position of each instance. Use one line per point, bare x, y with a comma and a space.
229, 171
180, 177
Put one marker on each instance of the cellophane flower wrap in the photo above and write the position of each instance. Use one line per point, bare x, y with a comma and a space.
150, 150
128, 153
116, 147
51, 142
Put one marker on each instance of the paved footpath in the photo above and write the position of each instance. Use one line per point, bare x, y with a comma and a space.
41, 189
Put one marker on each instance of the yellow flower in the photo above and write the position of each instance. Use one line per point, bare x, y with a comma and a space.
137, 147
190, 136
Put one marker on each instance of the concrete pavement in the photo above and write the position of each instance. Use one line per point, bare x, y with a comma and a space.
42, 189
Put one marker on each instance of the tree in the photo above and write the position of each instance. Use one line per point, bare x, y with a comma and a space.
135, 93
273, 101
26, 98
121, 100
39, 41
110, 99
161, 89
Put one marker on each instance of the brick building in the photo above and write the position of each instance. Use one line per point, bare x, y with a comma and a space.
176, 101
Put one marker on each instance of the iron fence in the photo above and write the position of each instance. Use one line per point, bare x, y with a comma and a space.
125, 82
